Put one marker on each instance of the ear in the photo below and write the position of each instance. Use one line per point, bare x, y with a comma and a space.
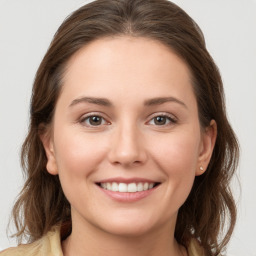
47, 140
208, 140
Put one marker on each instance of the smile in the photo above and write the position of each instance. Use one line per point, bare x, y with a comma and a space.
127, 187
127, 190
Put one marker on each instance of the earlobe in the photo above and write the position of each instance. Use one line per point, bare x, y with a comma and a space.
47, 142
207, 145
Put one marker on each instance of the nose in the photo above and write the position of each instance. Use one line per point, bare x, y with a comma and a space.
127, 147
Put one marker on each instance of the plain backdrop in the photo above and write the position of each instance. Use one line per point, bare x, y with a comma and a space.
229, 26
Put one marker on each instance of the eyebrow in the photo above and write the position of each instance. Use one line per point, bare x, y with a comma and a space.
106, 102
92, 100
162, 100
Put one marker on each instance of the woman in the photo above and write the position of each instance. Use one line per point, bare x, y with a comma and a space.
129, 150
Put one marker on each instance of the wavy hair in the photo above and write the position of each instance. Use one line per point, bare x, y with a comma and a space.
210, 205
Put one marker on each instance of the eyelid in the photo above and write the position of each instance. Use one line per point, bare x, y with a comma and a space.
173, 119
90, 114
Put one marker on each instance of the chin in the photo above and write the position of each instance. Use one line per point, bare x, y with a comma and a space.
130, 230
129, 225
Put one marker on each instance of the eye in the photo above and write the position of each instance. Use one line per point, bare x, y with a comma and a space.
161, 120
93, 120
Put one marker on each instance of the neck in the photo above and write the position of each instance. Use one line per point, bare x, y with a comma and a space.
88, 239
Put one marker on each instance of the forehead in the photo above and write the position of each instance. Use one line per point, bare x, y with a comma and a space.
128, 65
126, 50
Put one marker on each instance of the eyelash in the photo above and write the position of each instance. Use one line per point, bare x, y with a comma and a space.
171, 120
87, 118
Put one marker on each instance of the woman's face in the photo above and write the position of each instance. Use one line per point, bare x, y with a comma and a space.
126, 120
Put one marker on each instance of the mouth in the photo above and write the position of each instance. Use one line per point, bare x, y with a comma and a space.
125, 187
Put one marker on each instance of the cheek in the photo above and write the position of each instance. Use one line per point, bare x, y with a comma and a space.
179, 150
177, 157
77, 153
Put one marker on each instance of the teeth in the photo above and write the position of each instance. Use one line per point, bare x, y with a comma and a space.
130, 187
151, 185
145, 186
140, 187
109, 186
122, 187
114, 186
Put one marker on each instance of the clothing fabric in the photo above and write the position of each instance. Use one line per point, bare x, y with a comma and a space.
50, 245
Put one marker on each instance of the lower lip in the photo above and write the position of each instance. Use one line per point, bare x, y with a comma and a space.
128, 196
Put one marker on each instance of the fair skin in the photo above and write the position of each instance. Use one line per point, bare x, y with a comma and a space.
127, 114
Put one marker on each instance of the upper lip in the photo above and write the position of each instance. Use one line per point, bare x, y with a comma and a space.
127, 180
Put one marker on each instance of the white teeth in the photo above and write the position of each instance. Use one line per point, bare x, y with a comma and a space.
130, 187
145, 186
140, 187
114, 186
122, 187
109, 186
151, 185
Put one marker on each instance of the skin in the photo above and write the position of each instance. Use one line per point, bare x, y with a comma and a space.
128, 143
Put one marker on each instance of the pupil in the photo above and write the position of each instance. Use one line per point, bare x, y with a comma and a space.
95, 120
160, 120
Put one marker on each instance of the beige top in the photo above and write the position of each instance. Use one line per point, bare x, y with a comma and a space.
50, 245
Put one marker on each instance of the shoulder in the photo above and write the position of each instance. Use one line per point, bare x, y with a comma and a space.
48, 245
194, 248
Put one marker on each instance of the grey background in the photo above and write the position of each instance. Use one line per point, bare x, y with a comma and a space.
26, 29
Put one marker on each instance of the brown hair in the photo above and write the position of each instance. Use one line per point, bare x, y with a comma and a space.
42, 204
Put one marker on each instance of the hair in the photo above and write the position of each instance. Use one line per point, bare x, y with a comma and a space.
210, 207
